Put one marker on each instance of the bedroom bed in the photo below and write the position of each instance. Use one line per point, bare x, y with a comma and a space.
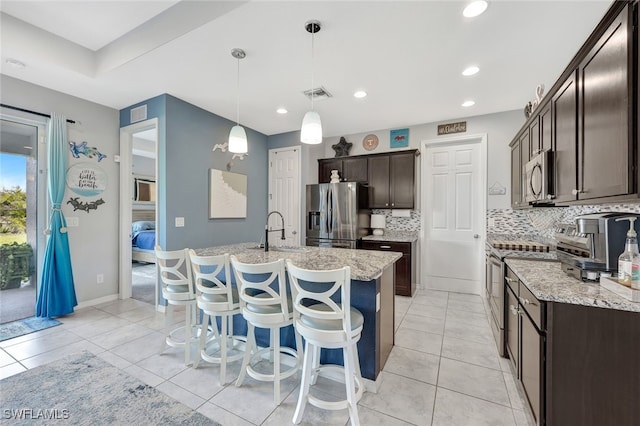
143, 236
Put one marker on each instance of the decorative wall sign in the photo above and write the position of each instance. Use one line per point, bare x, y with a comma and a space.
342, 148
370, 142
399, 138
80, 205
221, 146
448, 128
239, 156
87, 151
86, 179
227, 195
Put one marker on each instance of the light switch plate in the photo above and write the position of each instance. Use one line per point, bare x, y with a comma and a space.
72, 222
179, 222
491, 221
377, 302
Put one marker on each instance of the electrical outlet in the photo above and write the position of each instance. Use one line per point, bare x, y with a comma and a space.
100, 278
491, 221
179, 222
73, 222
377, 302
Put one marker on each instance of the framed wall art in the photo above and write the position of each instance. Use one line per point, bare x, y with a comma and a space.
227, 195
399, 138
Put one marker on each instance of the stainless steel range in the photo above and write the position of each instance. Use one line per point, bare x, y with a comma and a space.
496, 251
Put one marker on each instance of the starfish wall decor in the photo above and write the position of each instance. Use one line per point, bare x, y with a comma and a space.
342, 148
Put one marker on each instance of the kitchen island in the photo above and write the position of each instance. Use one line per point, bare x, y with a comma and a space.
372, 293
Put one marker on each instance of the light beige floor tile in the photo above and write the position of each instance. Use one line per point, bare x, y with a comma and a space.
180, 394
472, 318
523, 418
166, 365
469, 332
472, 380
120, 306
204, 381
483, 354
5, 358
140, 348
138, 314
145, 375
222, 416
432, 293
455, 409
428, 324
514, 395
465, 297
260, 395
11, 370
429, 301
402, 303
405, 399
427, 311
120, 335
48, 342
413, 364
505, 365
56, 354
82, 317
419, 340
100, 326
114, 360
372, 417
31, 336
283, 414
466, 306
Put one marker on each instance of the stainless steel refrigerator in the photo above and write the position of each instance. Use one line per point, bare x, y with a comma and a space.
337, 214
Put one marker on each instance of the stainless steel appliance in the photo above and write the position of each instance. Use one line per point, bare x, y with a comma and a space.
592, 244
538, 181
337, 214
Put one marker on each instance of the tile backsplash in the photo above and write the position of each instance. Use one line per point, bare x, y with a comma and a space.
393, 223
543, 221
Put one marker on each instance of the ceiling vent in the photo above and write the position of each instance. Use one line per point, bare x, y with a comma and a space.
318, 94
139, 114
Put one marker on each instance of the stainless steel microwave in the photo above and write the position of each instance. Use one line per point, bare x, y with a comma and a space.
538, 183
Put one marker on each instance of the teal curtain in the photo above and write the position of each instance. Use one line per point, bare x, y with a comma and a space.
57, 295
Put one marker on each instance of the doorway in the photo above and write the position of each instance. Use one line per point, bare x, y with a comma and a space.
284, 192
138, 211
22, 205
454, 205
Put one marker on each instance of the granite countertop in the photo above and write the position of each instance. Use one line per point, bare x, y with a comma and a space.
394, 236
366, 265
548, 282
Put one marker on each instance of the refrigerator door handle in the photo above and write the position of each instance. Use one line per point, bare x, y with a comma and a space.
330, 211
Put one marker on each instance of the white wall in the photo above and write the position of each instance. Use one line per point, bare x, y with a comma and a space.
500, 129
94, 244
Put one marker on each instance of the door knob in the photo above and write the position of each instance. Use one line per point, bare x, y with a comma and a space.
294, 232
476, 236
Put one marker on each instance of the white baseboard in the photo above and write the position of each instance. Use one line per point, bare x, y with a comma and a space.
98, 301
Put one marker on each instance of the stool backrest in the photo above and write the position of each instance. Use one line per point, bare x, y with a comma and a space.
175, 273
310, 287
206, 270
270, 291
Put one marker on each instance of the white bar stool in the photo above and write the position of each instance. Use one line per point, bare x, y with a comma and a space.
325, 323
265, 304
177, 290
216, 299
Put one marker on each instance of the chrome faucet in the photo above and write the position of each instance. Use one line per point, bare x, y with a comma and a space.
267, 230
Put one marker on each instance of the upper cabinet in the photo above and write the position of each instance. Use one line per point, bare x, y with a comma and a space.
588, 119
350, 169
516, 175
392, 180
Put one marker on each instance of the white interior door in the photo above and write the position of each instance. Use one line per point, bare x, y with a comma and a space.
284, 194
454, 208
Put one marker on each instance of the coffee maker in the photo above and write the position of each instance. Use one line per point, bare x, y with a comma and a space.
591, 246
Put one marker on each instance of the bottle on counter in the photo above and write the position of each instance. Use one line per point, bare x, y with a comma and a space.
629, 260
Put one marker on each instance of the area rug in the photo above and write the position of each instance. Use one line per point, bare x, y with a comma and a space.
82, 389
25, 326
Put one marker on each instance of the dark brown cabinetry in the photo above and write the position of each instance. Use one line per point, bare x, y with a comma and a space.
516, 175
351, 169
540, 130
392, 180
565, 140
404, 267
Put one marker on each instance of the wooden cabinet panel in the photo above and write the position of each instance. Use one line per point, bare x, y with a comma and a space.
545, 127
325, 166
565, 143
604, 107
525, 148
531, 357
534, 138
379, 182
512, 330
404, 267
516, 175
402, 180
355, 169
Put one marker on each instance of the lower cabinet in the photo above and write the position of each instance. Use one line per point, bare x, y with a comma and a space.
405, 268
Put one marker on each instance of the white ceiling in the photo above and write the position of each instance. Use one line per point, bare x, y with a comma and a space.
408, 55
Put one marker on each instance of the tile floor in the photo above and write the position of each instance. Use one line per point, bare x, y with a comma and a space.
444, 369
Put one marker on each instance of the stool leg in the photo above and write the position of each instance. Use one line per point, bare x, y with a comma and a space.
247, 353
356, 363
298, 349
167, 324
304, 383
316, 364
349, 378
275, 332
223, 351
203, 337
187, 335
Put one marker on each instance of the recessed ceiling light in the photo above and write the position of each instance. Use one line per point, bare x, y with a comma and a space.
282, 111
15, 63
470, 71
469, 103
475, 8
360, 94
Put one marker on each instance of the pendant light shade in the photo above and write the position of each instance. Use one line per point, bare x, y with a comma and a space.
238, 140
311, 130
238, 136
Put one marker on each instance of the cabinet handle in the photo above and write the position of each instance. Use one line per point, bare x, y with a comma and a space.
393, 204
514, 310
527, 301
385, 247
578, 191
386, 204
509, 279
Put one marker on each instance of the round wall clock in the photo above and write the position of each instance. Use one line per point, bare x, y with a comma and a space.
370, 142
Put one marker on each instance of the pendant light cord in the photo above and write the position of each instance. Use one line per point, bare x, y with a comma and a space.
313, 36
238, 94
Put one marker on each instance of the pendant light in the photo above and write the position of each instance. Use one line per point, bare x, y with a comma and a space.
238, 136
311, 131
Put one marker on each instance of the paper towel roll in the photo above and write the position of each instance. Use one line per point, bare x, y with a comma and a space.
401, 213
